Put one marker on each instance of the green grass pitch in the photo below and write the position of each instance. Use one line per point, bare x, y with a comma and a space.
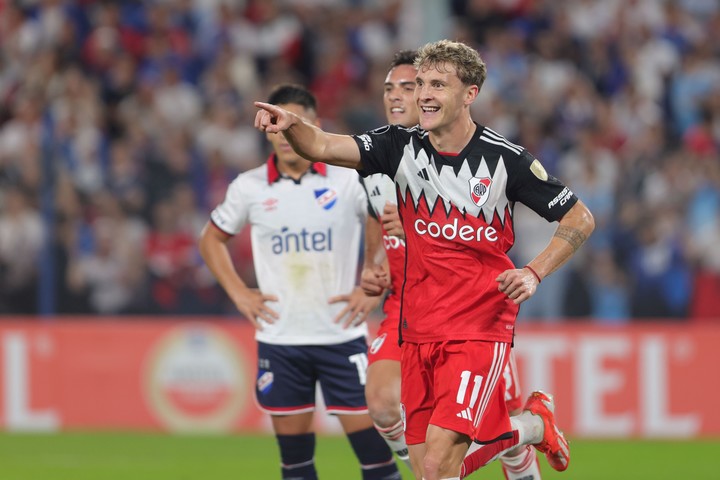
132, 456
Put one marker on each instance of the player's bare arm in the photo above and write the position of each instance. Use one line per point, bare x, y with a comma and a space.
249, 302
391, 221
572, 232
357, 309
306, 139
375, 277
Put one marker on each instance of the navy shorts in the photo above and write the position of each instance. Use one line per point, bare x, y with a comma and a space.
287, 375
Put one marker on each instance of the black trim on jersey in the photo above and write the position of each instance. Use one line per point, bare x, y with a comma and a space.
504, 436
415, 133
402, 321
492, 154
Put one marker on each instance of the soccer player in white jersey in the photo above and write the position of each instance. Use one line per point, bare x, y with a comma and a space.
457, 182
386, 272
306, 220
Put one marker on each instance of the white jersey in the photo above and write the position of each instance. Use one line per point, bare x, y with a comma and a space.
305, 243
380, 189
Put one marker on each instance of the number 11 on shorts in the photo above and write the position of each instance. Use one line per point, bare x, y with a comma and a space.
462, 389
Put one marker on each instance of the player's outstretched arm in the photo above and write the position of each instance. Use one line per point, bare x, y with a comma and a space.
307, 140
250, 302
572, 232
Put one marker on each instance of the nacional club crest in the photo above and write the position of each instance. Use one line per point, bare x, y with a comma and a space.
480, 190
326, 197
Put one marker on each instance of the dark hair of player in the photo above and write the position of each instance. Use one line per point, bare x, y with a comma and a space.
293, 94
403, 57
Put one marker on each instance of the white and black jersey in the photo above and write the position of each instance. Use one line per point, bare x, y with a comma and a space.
457, 214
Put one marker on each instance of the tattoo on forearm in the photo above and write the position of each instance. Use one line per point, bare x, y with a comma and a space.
571, 235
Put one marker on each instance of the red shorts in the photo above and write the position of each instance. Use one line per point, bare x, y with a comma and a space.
456, 385
385, 346
513, 395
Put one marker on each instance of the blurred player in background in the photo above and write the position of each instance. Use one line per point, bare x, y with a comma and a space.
458, 182
386, 244
384, 233
306, 222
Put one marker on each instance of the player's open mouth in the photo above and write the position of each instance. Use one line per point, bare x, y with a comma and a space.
397, 110
430, 109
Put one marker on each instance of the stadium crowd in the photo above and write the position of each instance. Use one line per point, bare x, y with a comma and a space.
122, 123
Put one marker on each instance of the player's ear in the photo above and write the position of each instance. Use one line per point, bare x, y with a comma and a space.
471, 94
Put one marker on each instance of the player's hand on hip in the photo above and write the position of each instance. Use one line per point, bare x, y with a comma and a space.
374, 280
357, 309
518, 284
251, 303
390, 220
272, 119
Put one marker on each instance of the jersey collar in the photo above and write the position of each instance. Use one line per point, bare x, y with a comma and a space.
274, 174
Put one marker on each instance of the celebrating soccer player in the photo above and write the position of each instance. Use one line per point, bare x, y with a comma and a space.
457, 182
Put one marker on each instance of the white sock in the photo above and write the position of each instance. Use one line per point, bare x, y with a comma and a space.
523, 465
394, 436
530, 428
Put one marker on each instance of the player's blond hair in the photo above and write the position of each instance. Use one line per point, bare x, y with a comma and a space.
470, 68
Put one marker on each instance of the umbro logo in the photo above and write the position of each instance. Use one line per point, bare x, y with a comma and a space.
375, 191
424, 175
270, 204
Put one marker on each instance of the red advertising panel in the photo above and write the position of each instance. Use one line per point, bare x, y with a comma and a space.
649, 380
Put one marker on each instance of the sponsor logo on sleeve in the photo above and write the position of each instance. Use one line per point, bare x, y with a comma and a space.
366, 141
562, 198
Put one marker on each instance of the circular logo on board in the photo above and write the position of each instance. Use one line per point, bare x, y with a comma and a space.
195, 379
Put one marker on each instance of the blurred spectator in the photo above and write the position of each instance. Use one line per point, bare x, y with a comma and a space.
661, 278
21, 238
170, 256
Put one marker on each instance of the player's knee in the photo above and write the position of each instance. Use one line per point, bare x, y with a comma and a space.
437, 464
431, 465
383, 406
